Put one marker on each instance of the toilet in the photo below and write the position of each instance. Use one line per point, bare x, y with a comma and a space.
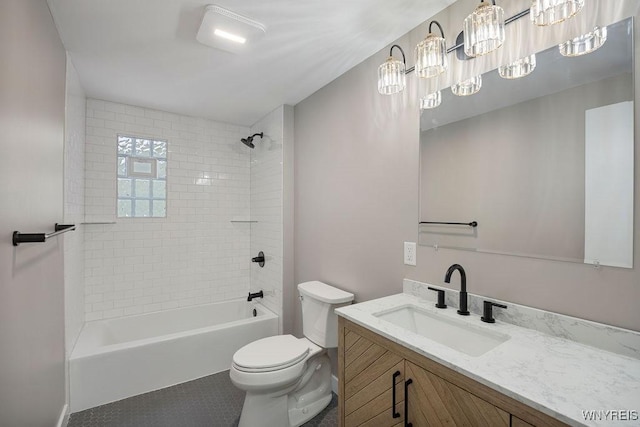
287, 380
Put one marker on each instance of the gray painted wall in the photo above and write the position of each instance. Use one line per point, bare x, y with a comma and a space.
356, 198
32, 102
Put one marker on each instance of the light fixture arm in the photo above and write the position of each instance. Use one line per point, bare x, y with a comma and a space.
404, 60
494, 2
439, 26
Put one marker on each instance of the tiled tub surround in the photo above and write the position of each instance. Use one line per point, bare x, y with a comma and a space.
118, 358
74, 142
545, 371
266, 208
193, 256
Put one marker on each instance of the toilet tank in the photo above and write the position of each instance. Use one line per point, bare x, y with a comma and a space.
319, 322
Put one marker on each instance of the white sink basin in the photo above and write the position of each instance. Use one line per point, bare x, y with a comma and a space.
453, 333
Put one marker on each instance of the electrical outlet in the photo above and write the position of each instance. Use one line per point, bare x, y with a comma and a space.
410, 253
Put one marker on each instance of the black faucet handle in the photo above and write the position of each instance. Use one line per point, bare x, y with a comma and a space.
259, 259
487, 311
440, 303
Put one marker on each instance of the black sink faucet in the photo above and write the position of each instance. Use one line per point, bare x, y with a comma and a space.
462, 309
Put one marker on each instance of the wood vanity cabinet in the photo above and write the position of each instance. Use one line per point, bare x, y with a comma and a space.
380, 382
374, 379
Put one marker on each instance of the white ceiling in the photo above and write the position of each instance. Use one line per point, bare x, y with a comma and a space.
144, 52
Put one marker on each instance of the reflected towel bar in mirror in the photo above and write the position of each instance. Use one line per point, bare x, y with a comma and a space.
41, 237
469, 224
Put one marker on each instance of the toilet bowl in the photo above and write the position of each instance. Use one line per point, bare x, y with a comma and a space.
287, 379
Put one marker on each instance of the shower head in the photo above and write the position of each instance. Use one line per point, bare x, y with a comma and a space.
248, 141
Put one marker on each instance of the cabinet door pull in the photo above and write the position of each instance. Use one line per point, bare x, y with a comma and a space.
395, 414
406, 403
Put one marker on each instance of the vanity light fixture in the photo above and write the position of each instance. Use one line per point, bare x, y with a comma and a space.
467, 87
585, 43
483, 29
483, 32
227, 30
549, 12
520, 68
431, 100
431, 54
391, 74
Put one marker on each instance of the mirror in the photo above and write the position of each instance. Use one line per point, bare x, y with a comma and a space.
543, 163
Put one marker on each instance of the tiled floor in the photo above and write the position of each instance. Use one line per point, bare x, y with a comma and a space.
205, 402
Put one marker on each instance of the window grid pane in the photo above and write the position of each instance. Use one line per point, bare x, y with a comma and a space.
141, 197
122, 166
159, 208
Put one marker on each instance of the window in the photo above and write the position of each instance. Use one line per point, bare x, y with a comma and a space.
142, 177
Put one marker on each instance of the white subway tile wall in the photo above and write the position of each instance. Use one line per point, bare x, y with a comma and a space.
193, 256
266, 209
74, 207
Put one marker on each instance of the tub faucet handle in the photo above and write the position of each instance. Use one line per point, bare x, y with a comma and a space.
259, 259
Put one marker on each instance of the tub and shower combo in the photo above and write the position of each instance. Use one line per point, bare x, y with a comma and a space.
119, 358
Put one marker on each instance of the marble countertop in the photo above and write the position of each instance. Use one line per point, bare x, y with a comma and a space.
554, 375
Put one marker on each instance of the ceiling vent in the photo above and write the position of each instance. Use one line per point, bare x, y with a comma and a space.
227, 30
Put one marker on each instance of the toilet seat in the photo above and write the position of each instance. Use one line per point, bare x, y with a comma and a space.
271, 354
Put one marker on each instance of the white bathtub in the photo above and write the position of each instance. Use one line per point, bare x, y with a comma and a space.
118, 358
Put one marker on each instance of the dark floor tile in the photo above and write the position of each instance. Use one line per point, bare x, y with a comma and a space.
209, 401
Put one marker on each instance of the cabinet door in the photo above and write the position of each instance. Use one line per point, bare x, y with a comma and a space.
433, 401
371, 374
517, 422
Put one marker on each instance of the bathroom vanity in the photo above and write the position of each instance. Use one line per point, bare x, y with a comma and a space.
403, 362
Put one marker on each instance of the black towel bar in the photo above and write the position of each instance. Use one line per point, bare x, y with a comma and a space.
41, 237
470, 224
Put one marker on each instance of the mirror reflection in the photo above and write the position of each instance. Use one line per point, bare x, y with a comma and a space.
542, 163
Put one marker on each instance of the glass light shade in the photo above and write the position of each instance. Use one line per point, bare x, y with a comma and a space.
549, 12
520, 68
431, 56
584, 44
391, 77
467, 87
483, 30
431, 100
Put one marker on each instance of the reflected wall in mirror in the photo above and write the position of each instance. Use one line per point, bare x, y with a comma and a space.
543, 163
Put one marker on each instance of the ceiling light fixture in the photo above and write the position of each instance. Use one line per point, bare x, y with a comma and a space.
520, 68
467, 87
391, 74
549, 12
584, 44
229, 36
227, 30
484, 29
431, 54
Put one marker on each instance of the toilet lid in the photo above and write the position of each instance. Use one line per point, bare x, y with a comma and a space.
272, 352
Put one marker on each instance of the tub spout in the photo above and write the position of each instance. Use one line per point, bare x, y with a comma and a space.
255, 295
